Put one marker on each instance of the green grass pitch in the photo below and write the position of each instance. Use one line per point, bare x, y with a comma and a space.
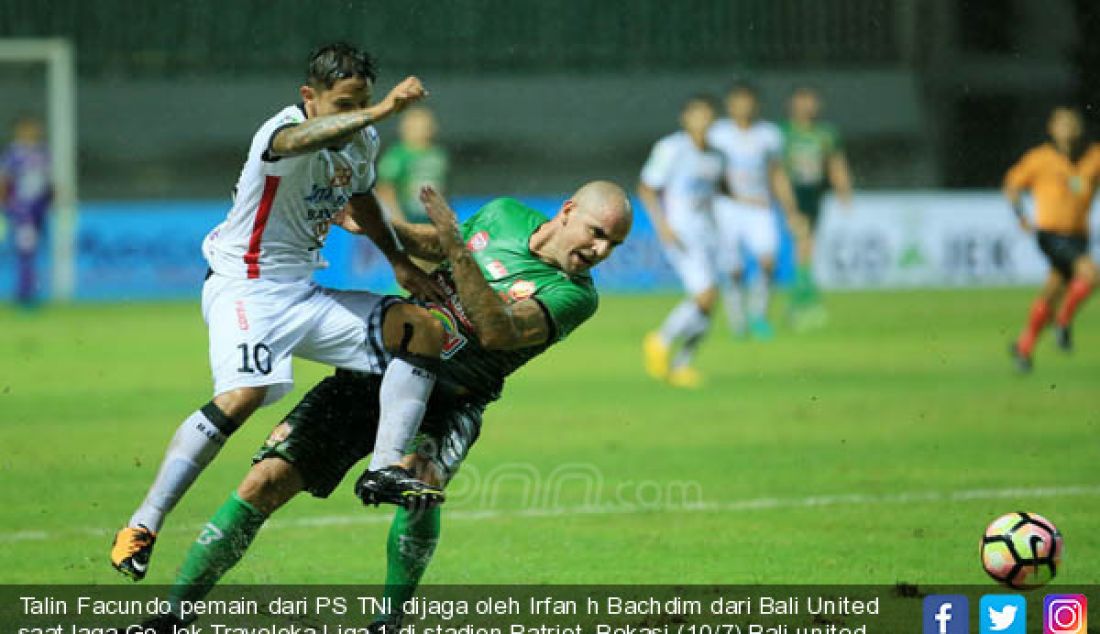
874, 451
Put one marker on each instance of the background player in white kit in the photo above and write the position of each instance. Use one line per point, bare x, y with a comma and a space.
309, 166
678, 186
754, 153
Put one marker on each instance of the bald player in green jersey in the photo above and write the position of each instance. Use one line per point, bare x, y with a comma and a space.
516, 284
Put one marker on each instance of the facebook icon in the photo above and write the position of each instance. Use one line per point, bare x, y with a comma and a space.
946, 614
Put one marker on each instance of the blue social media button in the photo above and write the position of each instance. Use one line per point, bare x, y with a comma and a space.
1003, 614
946, 614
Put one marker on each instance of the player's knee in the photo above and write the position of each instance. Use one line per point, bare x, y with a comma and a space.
1086, 270
240, 403
706, 300
413, 330
269, 484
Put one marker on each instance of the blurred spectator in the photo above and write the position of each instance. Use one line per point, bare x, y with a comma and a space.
412, 162
26, 190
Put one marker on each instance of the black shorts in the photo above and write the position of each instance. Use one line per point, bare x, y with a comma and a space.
808, 198
1063, 250
334, 425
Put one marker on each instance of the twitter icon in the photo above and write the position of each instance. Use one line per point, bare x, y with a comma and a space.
1003, 614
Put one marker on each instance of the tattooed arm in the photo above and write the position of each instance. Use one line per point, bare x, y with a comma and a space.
420, 240
499, 325
318, 133
363, 215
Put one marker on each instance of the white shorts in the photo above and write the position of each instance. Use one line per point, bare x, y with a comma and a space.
697, 262
751, 227
257, 325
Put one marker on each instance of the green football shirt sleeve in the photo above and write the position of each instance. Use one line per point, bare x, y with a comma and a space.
390, 166
567, 306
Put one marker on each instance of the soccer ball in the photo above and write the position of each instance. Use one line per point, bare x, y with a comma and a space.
1021, 550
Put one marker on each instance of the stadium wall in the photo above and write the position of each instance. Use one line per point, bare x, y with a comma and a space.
135, 251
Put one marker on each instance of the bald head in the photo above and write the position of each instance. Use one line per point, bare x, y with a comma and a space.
608, 202
588, 227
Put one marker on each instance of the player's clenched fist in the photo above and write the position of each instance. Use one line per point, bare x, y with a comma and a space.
407, 92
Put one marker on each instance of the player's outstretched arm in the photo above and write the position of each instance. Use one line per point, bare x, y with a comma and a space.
365, 216
318, 133
499, 325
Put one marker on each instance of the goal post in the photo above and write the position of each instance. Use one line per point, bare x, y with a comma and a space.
57, 54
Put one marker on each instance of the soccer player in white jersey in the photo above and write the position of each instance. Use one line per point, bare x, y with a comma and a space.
678, 185
754, 153
308, 167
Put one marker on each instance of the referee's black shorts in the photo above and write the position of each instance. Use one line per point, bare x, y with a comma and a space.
1063, 250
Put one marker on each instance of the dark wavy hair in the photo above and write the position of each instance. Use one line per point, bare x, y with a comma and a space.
330, 63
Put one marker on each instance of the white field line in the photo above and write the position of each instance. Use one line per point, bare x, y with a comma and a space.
746, 505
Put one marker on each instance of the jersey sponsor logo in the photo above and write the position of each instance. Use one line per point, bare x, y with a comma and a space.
478, 241
497, 269
454, 306
521, 289
453, 339
327, 195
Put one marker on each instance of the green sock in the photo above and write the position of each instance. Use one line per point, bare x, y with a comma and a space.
804, 290
220, 545
412, 541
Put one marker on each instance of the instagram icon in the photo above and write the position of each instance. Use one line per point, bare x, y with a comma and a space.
1065, 614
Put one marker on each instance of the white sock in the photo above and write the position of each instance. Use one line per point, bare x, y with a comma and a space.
735, 311
758, 296
686, 353
684, 319
195, 444
402, 399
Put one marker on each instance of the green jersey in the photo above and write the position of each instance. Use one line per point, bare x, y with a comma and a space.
498, 237
407, 169
806, 152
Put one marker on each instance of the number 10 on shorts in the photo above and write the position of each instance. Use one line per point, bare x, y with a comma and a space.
256, 359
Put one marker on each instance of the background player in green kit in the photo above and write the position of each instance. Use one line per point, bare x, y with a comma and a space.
815, 160
410, 164
516, 283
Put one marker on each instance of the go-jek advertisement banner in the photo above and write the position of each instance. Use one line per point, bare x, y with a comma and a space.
150, 250
927, 239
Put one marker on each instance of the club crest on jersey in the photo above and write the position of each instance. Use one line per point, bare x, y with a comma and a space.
522, 289
478, 241
497, 269
453, 339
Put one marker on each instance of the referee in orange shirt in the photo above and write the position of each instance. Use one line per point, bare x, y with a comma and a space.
1062, 178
